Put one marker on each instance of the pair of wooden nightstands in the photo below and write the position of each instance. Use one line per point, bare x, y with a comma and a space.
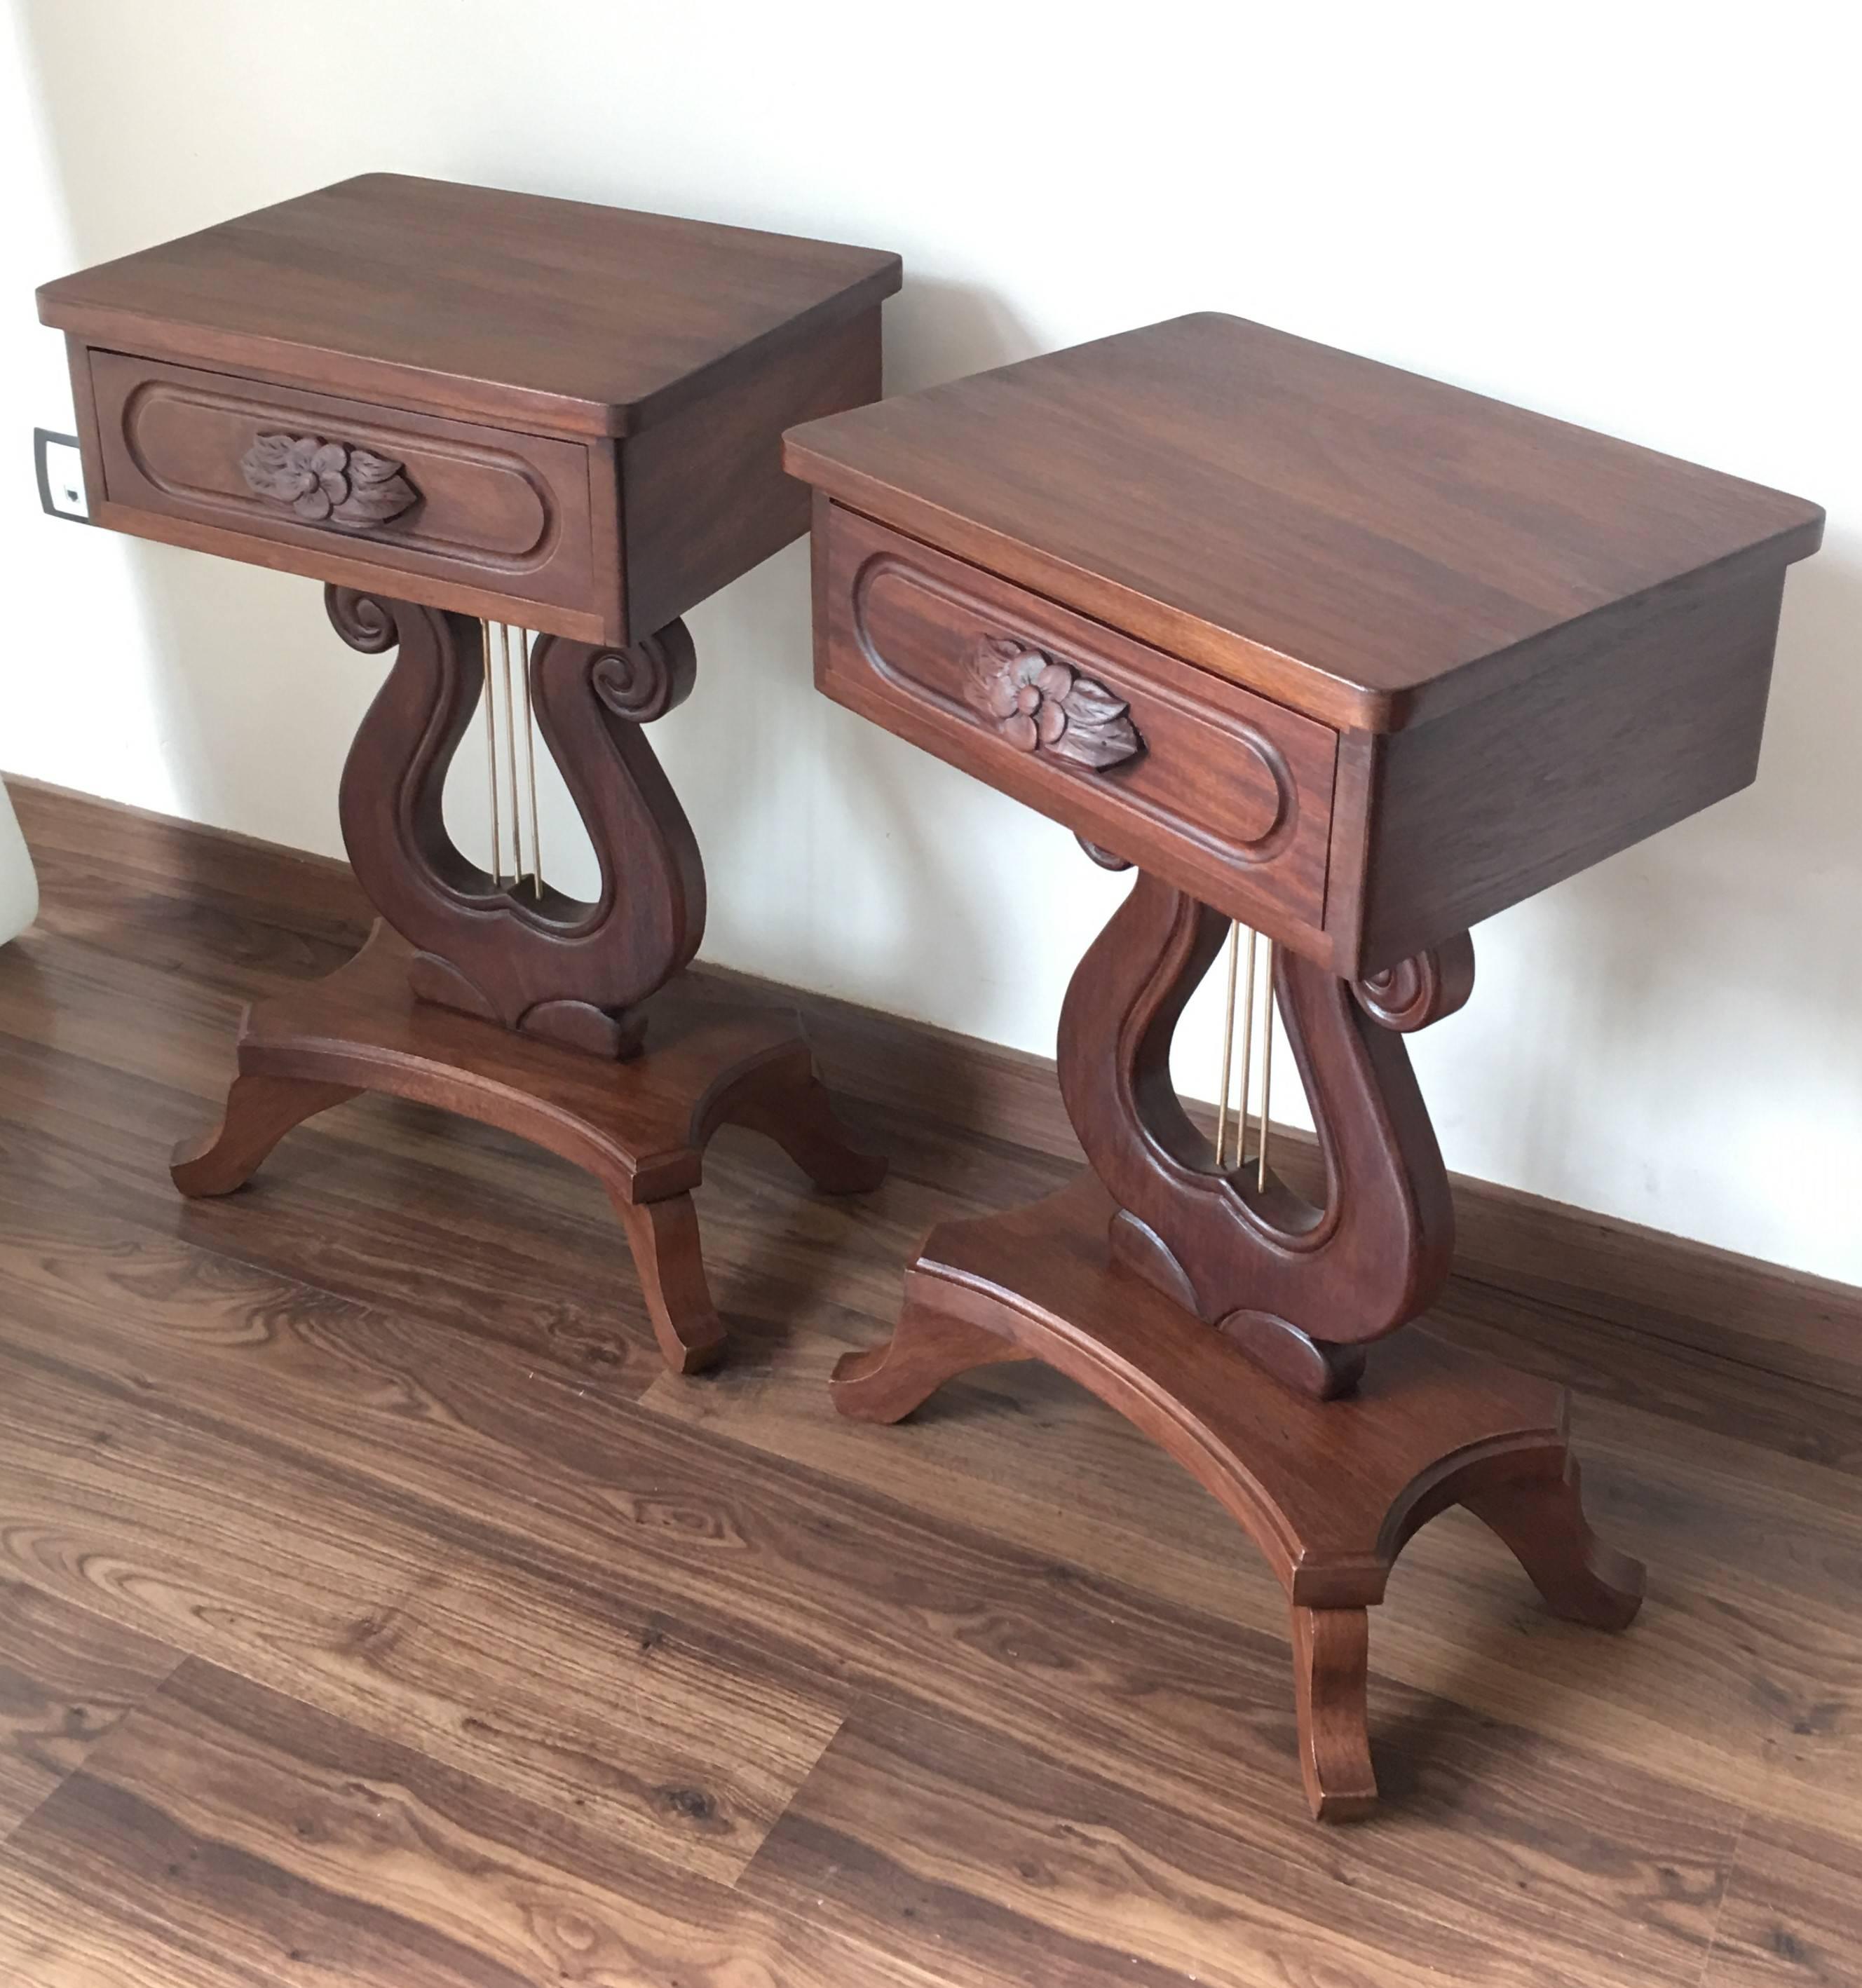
1337, 654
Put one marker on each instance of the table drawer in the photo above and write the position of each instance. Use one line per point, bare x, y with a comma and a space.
1223, 793
340, 490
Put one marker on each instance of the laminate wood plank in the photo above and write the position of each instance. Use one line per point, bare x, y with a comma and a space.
230, 1834
67, 1679
1792, 1917
598, 1704
381, 1199
543, 1268
1503, 1870
809, 1583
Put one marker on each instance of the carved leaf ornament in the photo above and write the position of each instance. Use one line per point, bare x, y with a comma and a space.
1038, 703
326, 483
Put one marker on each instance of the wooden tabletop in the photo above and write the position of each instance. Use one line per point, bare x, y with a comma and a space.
459, 299
1368, 544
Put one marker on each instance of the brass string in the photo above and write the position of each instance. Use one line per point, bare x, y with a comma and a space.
491, 760
1267, 1065
536, 846
1222, 1104
1241, 1116
517, 826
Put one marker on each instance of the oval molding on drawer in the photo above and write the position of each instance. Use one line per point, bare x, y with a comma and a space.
476, 501
922, 632
1229, 797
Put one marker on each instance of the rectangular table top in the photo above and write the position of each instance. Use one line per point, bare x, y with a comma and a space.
1360, 542
565, 317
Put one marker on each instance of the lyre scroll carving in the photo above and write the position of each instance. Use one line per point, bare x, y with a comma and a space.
1301, 1286
541, 962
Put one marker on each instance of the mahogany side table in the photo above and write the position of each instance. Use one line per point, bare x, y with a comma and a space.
1354, 659
464, 411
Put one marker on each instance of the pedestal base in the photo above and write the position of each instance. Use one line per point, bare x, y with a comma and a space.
712, 1058
1330, 1491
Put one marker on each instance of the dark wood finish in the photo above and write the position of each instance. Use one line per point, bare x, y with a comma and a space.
1499, 799
504, 1650
512, 950
449, 403
589, 401
1361, 543
704, 491
1230, 796
550, 316
640, 1128
1525, 646
1330, 1491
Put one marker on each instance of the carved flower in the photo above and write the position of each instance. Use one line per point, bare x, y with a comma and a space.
330, 480
1036, 702
302, 472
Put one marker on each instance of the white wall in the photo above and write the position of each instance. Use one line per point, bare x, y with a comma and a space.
1641, 217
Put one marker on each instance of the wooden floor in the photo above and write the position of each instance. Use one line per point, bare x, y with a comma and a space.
374, 1610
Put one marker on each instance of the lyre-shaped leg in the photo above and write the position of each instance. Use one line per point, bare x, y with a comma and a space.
1300, 1286
519, 953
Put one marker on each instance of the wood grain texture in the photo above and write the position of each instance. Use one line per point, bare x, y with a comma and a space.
555, 316
1056, 1684
1361, 543
1502, 798
67, 1678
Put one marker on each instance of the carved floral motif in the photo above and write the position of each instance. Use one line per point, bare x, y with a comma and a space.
327, 482
1038, 704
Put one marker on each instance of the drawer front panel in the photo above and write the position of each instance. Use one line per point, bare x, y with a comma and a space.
499, 513
1223, 793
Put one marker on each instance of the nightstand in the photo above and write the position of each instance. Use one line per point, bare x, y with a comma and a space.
1352, 659
516, 438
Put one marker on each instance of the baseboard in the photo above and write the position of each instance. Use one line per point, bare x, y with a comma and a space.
1716, 1304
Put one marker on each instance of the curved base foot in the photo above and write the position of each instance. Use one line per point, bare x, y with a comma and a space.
1542, 1521
259, 1111
1329, 1490
638, 1125
1331, 1663
929, 1347
664, 1236
799, 1115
